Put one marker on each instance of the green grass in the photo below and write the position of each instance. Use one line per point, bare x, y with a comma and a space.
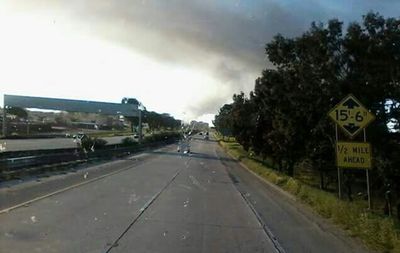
109, 134
377, 232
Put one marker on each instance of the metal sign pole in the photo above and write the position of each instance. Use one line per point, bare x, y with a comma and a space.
338, 169
367, 172
352, 117
369, 194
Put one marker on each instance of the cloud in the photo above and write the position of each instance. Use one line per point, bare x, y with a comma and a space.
224, 38
182, 31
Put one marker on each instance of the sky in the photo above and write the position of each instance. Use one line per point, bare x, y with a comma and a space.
183, 57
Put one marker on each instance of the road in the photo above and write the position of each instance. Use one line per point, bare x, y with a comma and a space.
50, 143
162, 201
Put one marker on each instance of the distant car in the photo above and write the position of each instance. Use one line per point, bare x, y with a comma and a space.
183, 147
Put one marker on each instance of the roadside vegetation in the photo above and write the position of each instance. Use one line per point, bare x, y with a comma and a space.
377, 231
102, 134
283, 132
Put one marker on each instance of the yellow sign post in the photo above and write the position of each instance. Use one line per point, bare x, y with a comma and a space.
351, 116
353, 155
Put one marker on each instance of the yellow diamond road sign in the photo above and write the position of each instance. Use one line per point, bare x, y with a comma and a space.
353, 155
351, 115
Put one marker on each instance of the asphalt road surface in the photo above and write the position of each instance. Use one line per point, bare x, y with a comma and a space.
162, 201
50, 143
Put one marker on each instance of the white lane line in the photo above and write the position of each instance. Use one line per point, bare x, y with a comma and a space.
63, 190
266, 229
6, 210
142, 210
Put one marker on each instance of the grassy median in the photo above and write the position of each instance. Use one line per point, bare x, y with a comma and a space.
378, 232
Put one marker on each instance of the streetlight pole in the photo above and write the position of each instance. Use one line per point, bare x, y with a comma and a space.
4, 121
140, 130
140, 125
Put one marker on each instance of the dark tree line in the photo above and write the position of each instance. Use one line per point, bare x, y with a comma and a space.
160, 121
285, 117
156, 121
153, 119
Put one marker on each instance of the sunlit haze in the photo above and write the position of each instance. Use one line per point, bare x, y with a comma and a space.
42, 58
184, 59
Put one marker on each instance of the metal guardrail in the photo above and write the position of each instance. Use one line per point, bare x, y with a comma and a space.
18, 163
14, 164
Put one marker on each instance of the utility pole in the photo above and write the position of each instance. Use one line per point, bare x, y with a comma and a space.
4, 121
27, 127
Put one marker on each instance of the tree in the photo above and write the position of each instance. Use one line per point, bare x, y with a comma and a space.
17, 111
132, 101
286, 115
134, 121
223, 120
243, 119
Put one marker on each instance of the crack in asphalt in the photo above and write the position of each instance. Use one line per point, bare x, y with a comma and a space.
264, 226
143, 210
269, 233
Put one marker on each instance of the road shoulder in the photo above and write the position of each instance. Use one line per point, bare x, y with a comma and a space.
287, 200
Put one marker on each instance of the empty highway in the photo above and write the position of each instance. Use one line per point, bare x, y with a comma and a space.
161, 201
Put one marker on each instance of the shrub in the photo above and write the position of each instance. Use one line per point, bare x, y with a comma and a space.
292, 186
165, 136
128, 141
99, 143
88, 143
379, 233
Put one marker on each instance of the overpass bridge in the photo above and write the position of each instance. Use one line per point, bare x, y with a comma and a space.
70, 105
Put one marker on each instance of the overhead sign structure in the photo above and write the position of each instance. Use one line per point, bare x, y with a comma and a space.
72, 105
353, 155
351, 116
105, 108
